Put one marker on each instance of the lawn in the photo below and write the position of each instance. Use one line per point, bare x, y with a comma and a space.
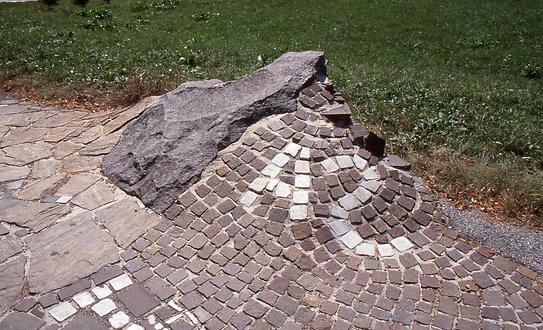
454, 86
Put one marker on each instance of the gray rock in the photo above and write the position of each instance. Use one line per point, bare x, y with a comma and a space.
165, 150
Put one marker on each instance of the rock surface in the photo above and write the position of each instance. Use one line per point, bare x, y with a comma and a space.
165, 150
11, 281
68, 251
126, 221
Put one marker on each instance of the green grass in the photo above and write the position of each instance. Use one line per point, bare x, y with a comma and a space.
463, 76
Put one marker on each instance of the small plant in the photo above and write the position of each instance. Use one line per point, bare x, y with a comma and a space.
81, 3
164, 4
99, 19
204, 16
532, 71
50, 3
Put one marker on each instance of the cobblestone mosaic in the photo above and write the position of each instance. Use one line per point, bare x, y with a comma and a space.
302, 224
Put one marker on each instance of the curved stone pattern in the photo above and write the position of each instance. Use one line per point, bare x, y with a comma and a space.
164, 151
295, 226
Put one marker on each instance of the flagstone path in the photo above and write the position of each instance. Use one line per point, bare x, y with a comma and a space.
294, 227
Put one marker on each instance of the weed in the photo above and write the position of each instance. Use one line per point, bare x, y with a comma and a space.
164, 4
532, 71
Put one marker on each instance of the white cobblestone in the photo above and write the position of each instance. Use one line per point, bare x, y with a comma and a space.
329, 165
292, 149
271, 184
119, 320
349, 202
344, 161
338, 212
401, 243
360, 162
62, 311
302, 181
283, 189
362, 194
298, 212
258, 185
271, 170
339, 227
104, 307
300, 197
365, 249
305, 153
120, 282
248, 198
101, 291
351, 239
301, 166
83, 299
280, 160
385, 250
370, 174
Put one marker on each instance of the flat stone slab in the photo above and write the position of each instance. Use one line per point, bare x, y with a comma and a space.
126, 221
77, 184
12, 173
68, 251
95, 196
9, 247
31, 214
26, 153
11, 281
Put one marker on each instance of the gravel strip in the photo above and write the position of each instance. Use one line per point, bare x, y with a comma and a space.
523, 245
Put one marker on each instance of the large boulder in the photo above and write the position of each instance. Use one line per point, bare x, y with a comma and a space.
164, 151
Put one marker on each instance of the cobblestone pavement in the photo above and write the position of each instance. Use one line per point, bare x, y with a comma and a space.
294, 226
